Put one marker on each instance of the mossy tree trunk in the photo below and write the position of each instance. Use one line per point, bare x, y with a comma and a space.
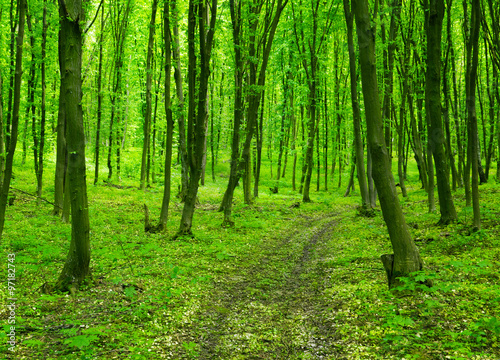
76, 267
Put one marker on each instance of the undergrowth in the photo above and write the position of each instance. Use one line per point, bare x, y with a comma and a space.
147, 293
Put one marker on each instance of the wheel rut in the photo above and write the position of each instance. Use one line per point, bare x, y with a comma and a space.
275, 308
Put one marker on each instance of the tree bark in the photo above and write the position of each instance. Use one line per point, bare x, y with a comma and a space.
472, 46
356, 113
99, 100
170, 122
434, 22
406, 256
237, 24
197, 112
11, 148
76, 267
149, 79
180, 108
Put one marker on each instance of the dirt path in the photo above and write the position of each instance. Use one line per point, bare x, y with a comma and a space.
275, 308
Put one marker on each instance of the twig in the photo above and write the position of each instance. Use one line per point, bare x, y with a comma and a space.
35, 196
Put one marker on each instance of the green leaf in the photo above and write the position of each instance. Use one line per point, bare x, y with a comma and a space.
81, 341
129, 291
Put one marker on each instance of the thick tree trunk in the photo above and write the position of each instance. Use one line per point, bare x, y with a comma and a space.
11, 148
76, 267
434, 23
406, 258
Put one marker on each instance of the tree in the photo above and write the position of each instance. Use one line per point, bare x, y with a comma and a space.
76, 267
99, 97
119, 24
11, 147
406, 258
472, 45
434, 10
259, 48
167, 38
197, 112
180, 106
356, 113
149, 77
310, 46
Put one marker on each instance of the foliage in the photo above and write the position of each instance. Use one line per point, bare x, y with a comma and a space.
282, 280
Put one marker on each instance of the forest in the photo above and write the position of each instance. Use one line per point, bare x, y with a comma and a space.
250, 179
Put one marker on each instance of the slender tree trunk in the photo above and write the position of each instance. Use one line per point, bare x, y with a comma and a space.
491, 114
356, 113
30, 108
2, 134
226, 205
11, 148
13, 21
400, 129
149, 78
406, 258
180, 109
259, 139
39, 174
471, 78
167, 38
60, 173
99, 100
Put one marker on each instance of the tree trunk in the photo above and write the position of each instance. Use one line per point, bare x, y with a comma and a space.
182, 151
162, 224
406, 258
39, 175
149, 78
99, 100
76, 267
2, 134
226, 204
434, 23
11, 148
259, 138
356, 113
197, 112
472, 46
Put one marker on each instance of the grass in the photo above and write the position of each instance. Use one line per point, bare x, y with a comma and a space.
286, 282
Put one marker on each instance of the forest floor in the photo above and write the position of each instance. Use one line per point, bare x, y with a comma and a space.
290, 280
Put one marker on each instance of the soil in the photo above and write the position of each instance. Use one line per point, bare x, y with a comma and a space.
274, 306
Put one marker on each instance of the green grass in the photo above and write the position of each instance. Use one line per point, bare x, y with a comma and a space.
150, 297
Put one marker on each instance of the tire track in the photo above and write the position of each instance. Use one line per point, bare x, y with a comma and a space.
276, 308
